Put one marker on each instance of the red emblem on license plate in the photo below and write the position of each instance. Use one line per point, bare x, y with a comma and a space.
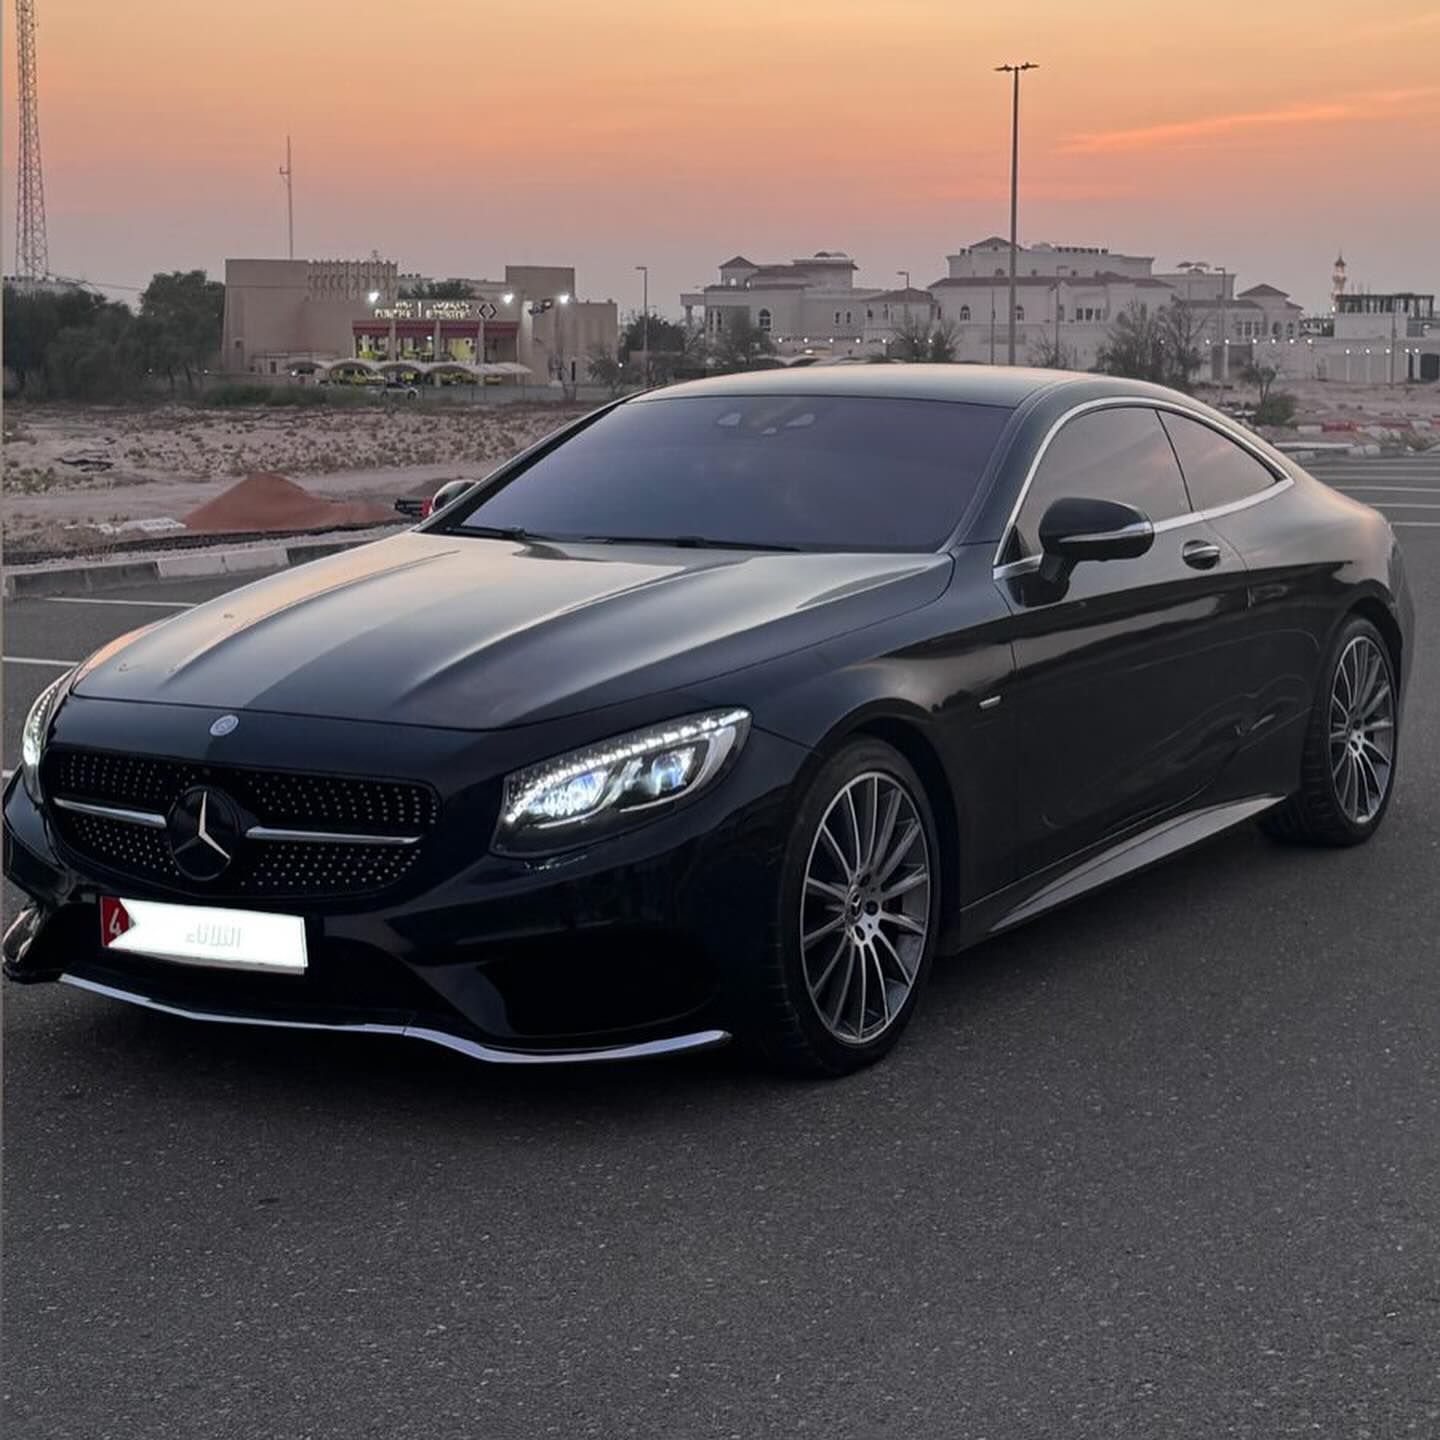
114, 920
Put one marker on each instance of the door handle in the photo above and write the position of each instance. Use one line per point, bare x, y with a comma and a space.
1200, 554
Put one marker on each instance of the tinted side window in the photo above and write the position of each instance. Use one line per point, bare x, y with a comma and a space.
1120, 454
1217, 470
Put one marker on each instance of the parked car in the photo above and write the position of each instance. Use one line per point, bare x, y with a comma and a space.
722, 711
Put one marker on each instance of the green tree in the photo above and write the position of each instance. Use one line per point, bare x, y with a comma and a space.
666, 336
1181, 327
1157, 345
604, 367
1272, 406
34, 319
741, 342
438, 290
1046, 354
1132, 345
100, 360
918, 339
181, 315
944, 343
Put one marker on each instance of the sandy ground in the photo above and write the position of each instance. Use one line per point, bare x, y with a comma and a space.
72, 466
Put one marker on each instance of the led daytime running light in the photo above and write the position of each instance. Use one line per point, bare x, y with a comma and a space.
647, 742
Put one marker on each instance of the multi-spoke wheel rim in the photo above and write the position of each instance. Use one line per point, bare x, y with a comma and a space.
865, 908
1362, 730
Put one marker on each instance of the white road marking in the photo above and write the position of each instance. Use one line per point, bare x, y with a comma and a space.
34, 660
1391, 489
1415, 524
1405, 505
93, 600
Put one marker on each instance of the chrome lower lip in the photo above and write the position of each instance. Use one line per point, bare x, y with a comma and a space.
491, 1054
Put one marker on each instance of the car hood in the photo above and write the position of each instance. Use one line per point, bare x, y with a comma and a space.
433, 629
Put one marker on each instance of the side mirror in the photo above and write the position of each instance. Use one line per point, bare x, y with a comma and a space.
447, 494
1072, 530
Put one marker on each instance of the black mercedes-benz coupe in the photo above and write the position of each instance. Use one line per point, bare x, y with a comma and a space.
722, 711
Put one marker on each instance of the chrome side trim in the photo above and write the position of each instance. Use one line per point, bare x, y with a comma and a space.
112, 812
492, 1054
1113, 402
328, 837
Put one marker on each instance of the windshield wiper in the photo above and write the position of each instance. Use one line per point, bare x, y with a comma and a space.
501, 532
688, 542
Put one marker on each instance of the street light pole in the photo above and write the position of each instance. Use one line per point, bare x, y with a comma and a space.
1015, 72
645, 323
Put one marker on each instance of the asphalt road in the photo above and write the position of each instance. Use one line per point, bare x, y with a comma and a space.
1164, 1164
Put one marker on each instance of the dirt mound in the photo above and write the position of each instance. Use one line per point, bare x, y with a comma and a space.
267, 501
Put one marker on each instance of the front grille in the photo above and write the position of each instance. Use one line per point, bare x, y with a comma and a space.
273, 799
119, 846
279, 798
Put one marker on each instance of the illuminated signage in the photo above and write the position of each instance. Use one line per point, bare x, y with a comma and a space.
474, 310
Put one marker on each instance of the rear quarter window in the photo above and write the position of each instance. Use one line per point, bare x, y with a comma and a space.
1217, 470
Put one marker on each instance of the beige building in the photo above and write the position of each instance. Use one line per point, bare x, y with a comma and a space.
288, 315
1067, 298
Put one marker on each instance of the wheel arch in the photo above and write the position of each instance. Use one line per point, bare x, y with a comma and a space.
906, 733
1374, 609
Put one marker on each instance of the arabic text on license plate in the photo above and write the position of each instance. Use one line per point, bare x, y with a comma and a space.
201, 935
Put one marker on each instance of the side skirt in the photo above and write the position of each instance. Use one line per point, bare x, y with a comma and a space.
1029, 898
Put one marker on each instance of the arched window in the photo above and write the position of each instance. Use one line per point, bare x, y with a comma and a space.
763, 319
964, 312
1275, 329
1020, 312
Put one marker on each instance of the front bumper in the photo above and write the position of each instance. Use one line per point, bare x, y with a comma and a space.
614, 952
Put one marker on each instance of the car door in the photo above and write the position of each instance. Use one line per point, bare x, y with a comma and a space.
1283, 545
1126, 694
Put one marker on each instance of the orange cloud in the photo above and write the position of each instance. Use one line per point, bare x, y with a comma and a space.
1355, 106
1150, 137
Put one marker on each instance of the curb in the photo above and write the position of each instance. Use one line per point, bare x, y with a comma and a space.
186, 565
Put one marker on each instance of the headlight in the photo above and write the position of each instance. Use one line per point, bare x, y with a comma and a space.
573, 798
37, 727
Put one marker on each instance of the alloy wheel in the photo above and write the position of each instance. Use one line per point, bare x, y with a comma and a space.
1362, 730
865, 908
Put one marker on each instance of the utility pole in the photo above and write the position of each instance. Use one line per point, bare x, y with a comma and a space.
1015, 72
1058, 365
645, 322
1224, 338
32, 253
287, 174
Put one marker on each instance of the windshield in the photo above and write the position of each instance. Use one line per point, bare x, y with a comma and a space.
782, 471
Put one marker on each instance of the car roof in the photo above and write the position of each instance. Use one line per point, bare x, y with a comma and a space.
973, 384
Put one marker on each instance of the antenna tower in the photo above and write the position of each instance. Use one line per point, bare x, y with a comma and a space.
32, 256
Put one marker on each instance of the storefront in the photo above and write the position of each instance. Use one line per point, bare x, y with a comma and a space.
431, 331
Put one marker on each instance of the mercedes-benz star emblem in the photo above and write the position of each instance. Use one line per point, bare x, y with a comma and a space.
225, 725
204, 829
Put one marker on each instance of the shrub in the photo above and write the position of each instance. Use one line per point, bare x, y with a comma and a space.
1277, 408
237, 393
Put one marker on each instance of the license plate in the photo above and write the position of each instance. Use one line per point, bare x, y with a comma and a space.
200, 935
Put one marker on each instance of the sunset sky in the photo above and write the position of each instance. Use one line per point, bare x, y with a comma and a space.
455, 135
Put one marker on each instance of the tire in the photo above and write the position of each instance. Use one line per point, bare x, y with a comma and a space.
1351, 746
796, 1012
